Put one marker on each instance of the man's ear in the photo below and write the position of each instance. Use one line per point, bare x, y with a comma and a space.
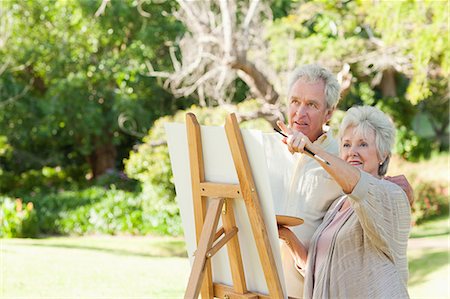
328, 115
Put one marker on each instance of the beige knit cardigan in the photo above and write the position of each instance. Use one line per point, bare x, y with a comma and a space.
367, 257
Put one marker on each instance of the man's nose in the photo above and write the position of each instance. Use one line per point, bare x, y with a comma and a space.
301, 110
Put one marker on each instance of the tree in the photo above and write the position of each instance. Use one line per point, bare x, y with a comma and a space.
225, 40
72, 91
214, 52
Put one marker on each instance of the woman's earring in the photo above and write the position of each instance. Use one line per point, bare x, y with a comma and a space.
381, 163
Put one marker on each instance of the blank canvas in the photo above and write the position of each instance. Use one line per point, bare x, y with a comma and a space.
219, 168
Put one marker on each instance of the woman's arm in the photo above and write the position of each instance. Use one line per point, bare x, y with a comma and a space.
383, 212
344, 174
296, 247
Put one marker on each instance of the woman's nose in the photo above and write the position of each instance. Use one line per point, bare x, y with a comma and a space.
352, 151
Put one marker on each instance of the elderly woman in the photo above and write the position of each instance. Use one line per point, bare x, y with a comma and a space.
359, 250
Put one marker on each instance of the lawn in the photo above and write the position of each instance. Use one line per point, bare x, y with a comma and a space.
154, 267
438, 226
429, 259
429, 273
93, 267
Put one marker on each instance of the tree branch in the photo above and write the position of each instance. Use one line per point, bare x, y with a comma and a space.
255, 80
101, 9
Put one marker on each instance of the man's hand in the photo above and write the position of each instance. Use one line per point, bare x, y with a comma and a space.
401, 181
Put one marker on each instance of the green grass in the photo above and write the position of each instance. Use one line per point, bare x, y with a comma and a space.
429, 262
93, 267
437, 226
429, 273
155, 267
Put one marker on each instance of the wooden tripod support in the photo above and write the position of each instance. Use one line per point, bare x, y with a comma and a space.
206, 220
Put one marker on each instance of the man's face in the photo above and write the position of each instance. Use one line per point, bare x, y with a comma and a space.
307, 109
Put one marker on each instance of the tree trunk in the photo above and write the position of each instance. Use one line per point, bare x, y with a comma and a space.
258, 83
440, 131
102, 158
388, 85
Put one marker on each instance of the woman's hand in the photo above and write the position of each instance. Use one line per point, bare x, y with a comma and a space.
296, 247
285, 234
296, 140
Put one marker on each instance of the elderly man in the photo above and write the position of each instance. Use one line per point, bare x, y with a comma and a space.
313, 95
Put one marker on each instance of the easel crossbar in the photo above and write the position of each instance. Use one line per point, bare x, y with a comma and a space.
222, 242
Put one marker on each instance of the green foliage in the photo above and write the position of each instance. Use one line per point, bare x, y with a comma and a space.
411, 146
114, 212
418, 29
75, 83
322, 33
89, 211
410, 37
45, 179
113, 179
17, 221
52, 205
435, 226
5, 147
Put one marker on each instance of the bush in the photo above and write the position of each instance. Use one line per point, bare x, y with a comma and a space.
431, 200
46, 179
90, 211
116, 180
16, 220
411, 146
121, 212
51, 206
116, 212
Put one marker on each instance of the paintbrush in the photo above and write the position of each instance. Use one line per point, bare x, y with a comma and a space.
306, 149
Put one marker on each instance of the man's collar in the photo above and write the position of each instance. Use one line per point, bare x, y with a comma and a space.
322, 138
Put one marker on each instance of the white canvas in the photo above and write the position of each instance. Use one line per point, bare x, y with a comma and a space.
219, 168
280, 167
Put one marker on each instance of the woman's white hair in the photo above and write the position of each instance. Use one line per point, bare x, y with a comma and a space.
364, 118
314, 72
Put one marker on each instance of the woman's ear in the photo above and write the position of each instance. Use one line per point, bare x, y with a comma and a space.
384, 158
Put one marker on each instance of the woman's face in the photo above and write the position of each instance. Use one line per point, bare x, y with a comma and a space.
360, 151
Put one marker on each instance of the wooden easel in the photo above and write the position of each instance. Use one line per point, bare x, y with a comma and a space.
206, 221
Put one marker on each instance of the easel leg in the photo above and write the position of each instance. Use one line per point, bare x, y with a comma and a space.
204, 244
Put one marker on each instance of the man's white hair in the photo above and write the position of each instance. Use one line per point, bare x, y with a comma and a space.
314, 72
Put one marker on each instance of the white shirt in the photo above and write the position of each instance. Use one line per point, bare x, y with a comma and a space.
311, 190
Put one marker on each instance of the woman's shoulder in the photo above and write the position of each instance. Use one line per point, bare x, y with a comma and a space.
385, 186
392, 187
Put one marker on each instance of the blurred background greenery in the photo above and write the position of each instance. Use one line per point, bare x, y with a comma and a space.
86, 86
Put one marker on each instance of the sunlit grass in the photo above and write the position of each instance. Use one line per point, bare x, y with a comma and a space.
93, 267
429, 273
156, 267
436, 227
429, 268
